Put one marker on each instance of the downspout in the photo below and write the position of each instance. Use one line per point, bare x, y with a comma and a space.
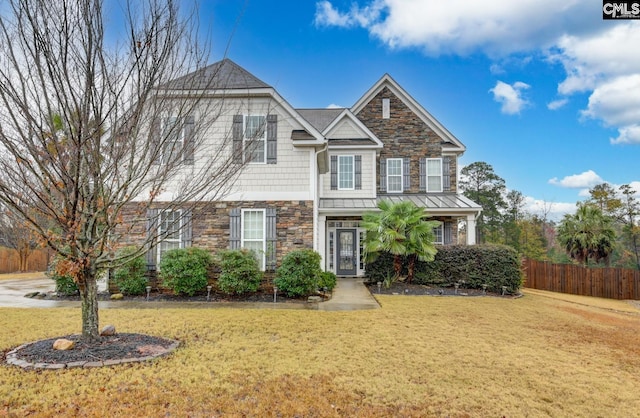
316, 197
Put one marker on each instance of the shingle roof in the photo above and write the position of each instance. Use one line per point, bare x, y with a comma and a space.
224, 74
320, 118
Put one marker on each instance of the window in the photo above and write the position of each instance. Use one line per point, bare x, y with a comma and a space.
173, 138
253, 233
345, 172
169, 235
255, 138
394, 175
439, 232
434, 174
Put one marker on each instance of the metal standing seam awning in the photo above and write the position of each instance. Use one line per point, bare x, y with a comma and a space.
434, 203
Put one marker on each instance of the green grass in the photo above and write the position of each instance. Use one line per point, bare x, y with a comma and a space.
417, 356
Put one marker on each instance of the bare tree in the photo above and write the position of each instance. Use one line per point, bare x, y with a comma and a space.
90, 127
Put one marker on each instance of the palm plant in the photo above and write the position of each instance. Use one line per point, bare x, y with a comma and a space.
587, 234
402, 230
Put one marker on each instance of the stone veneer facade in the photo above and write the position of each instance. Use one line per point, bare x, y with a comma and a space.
210, 224
404, 135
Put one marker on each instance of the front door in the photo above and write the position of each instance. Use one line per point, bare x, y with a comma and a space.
347, 255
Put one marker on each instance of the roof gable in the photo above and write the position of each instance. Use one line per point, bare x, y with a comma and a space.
225, 74
347, 129
387, 82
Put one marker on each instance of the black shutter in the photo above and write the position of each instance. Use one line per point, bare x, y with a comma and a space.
446, 176
383, 175
155, 150
448, 233
235, 224
188, 147
272, 139
334, 172
270, 234
187, 229
152, 238
236, 132
423, 175
357, 162
406, 174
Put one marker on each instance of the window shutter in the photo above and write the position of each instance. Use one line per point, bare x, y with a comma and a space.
270, 234
155, 151
448, 233
235, 224
151, 235
406, 174
186, 228
383, 175
188, 147
357, 162
446, 176
423, 175
272, 139
236, 132
334, 172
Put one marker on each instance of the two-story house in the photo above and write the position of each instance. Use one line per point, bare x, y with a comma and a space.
310, 174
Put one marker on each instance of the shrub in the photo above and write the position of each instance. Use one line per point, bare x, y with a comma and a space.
299, 273
64, 283
493, 265
130, 277
328, 280
184, 270
239, 272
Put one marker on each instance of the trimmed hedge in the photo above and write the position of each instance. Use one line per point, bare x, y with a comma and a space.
493, 265
185, 270
240, 272
131, 277
299, 274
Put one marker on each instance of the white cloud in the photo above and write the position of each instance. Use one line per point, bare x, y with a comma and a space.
510, 96
587, 180
557, 104
553, 210
335, 106
598, 58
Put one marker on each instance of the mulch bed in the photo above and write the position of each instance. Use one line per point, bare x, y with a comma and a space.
400, 288
115, 347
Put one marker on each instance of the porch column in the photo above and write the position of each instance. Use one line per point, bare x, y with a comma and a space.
471, 229
322, 240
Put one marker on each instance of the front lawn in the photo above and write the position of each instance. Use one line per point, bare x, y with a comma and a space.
417, 356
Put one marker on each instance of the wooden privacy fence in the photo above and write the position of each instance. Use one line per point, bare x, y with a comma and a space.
611, 283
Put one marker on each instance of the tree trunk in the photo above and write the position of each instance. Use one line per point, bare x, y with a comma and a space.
397, 265
89, 296
411, 268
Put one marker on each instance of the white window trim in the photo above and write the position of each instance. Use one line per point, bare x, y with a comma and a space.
395, 175
427, 174
262, 255
179, 122
160, 233
441, 228
263, 139
353, 172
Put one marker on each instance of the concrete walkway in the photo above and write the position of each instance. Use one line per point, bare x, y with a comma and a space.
348, 295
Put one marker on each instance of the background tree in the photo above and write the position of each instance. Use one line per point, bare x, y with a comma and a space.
628, 213
514, 213
482, 185
82, 134
587, 234
16, 235
402, 230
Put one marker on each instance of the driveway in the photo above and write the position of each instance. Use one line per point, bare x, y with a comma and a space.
12, 293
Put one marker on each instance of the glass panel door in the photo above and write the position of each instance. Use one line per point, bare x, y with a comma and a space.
346, 252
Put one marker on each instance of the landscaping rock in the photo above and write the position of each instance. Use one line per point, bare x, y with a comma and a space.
108, 330
117, 296
31, 295
63, 344
314, 299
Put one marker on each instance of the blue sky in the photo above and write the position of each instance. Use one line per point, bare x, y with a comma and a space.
546, 92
